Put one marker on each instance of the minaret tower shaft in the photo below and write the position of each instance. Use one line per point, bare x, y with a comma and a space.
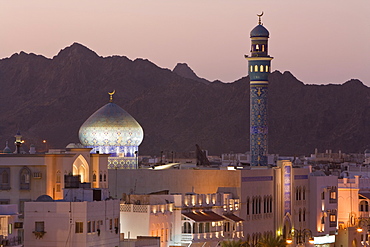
258, 71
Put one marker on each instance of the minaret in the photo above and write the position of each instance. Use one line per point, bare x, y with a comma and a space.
258, 70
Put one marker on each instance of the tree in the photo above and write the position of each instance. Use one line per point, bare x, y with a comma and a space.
233, 243
271, 241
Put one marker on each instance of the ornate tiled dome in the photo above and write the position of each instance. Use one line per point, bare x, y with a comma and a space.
111, 130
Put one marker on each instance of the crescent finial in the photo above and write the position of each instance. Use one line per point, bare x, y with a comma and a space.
259, 18
111, 95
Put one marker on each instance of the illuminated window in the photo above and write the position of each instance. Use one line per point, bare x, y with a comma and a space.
257, 47
261, 68
79, 227
256, 68
333, 219
267, 68
263, 47
251, 68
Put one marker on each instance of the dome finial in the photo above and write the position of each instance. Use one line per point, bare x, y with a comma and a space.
111, 95
259, 18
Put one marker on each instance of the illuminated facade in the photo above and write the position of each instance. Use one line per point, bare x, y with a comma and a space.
258, 70
112, 130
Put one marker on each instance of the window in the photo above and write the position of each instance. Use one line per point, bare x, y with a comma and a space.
256, 68
304, 193
101, 177
94, 177
257, 47
105, 177
251, 68
110, 224
333, 195
89, 226
267, 68
186, 228
304, 214
58, 188
21, 204
25, 175
208, 228
333, 219
263, 47
79, 227
248, 202
364, 206
261, 68
39, 226
10, 228
58, 180
300, 215
4, 178
323, 195
93, 226
4, 201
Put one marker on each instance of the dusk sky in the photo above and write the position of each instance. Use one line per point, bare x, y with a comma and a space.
319, 41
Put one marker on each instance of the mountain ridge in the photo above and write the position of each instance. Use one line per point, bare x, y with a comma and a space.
51, 98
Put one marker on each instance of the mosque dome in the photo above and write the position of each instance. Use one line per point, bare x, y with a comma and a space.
110, 128
44, 198
260, 31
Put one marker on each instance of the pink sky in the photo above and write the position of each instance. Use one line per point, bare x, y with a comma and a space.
319, 41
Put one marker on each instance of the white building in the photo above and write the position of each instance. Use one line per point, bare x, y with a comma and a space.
78, 222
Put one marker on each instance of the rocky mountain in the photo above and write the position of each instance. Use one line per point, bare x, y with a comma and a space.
51, 98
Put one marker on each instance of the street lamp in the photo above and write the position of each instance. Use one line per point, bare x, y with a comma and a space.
301, 236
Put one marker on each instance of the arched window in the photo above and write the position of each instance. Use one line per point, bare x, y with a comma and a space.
300, 215
253, 199
25, 175
259, 205
304, 214
299, 193
267, 68
256, 68
248, 202
304, 193
101, 177
296, 193
263, 47
270, 204
58, 179
251, 68
186, 228
5, 177
105, 177
257, 47
261, 68
364, 206
94, 177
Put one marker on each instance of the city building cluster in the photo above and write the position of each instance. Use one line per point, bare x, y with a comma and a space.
101, 192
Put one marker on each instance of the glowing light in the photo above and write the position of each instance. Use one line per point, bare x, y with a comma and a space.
43, 141
289, 241
359, 229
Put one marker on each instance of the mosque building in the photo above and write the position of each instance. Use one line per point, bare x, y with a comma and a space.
112, 130
259, 69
